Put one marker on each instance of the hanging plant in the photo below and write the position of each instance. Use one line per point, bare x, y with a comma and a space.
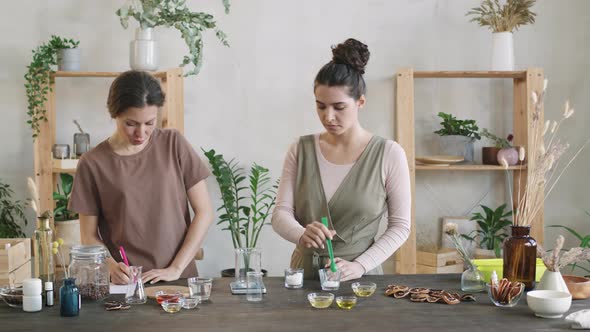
175, 13
38, 78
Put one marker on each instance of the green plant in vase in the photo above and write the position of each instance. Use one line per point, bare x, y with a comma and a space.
38, 78
62, 197
457, 136
492, 228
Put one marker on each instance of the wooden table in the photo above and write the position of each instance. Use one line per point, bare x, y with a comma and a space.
288, 310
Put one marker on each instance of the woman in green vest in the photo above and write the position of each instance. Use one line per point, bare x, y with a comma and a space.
346, 174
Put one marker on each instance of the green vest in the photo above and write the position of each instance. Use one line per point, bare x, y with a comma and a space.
354, 211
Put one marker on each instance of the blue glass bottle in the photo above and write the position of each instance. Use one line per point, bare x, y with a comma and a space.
69, 298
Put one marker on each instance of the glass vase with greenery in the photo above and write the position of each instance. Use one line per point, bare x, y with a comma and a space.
38, 78
12, 216
504, 17
492, 228
175, 13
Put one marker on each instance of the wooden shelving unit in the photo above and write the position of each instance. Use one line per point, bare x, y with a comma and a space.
171, 116
524, 83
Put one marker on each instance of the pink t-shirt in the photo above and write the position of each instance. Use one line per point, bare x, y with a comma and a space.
396, 177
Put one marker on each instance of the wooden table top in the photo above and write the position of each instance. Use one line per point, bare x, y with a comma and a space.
288, 310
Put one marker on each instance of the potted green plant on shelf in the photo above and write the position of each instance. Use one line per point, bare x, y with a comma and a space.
502, 149
457, 136
492, 231
12, 215
243, 215
38, 78
67, 223
503, 19
168, 13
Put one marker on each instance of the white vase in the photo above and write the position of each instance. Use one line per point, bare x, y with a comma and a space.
552, 281
68, 59
502, 51
143, 51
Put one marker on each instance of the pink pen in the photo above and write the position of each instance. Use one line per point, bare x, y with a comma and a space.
123, 256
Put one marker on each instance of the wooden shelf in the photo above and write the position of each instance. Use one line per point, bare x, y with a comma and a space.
159, 74
470, 74
468, 168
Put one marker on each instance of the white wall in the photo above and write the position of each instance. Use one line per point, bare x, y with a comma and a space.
253, 99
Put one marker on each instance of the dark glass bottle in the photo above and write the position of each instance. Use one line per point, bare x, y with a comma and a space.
69, 298
520, 257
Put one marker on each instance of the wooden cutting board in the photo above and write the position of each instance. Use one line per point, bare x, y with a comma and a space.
151, 291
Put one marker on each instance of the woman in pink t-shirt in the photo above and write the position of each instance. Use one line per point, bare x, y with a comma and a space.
134, 189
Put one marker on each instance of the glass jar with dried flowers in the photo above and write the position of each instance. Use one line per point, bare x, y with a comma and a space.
545, 170
472, 280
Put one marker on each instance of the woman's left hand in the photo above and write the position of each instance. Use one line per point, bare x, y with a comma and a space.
167, 274
348, 270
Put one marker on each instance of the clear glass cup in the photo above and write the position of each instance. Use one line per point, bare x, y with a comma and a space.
293, 278
200, 288
254, 282
330, 281
135, 291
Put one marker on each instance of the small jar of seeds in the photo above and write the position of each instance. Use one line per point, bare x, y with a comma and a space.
88, 265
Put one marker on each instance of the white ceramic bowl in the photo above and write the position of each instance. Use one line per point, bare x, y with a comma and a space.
549, 304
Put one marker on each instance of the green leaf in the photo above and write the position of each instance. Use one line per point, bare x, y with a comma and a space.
573, 232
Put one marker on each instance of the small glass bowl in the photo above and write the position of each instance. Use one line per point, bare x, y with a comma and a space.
12, 296
172, 307
513, 301
346, 302
189, 302
170, 296
320, 300
363, 288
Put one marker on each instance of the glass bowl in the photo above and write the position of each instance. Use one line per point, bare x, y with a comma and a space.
320, 300
167, 295
189, 302
346, 302
363, 288
171, 306
507, 301
12, 296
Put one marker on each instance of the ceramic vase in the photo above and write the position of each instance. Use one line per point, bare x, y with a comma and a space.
502, 51
552, 280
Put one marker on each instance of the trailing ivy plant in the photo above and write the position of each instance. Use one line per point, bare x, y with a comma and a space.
38, 78
452, 126
175, 13
244, 216
12, 214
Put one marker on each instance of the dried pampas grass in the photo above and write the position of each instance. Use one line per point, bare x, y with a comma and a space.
554, 260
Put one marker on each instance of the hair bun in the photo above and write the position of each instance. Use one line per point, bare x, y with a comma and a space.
352, 53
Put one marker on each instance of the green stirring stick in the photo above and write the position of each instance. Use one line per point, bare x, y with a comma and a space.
330, 251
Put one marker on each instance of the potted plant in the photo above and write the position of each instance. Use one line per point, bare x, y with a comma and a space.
457, 136
491, 232
12, 216
38, 76
503, 19
243, 215
502, 149
168, 13
67, 223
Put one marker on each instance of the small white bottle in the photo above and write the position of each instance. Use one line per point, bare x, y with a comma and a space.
32, 301
49, 294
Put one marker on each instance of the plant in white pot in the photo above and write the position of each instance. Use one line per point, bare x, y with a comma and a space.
457, 136
67, 222
492, 231
242, 214
557, 259
503, 17
168, 13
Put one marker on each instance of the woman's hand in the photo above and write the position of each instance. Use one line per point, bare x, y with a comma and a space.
119, 272
348, 270
315, 235
168, 274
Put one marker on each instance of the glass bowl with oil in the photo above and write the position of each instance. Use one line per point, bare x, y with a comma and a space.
320, 300
171, 307
346, 302
363, 288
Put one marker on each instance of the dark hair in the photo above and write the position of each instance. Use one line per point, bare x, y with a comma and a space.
134, 89
346, 68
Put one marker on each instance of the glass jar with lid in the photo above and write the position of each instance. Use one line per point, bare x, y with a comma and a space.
89, 267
